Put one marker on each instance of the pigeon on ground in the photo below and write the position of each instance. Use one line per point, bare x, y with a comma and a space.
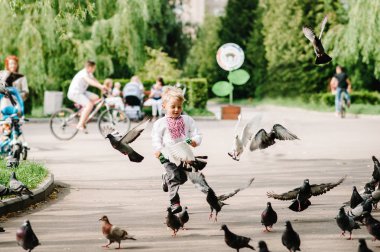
322, 57
26, 238
346, 223
373, 226
17, 187
183, 217
113, 233
358, 212
263, 247
4, 191
2, 229
121, 142
376, 170
290, 238
363, 246
268, 217
173, 222
301, 195
216, 202
263, 140
235, 241
356, 199
245, 137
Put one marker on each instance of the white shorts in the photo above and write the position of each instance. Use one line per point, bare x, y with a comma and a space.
82, 98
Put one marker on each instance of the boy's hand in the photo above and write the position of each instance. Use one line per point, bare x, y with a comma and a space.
157, 154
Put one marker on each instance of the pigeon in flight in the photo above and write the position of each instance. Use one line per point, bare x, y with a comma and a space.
235, 241
268, 217
346, 223
263, 140
113, 233
301, 195
17, 187
26, 238
290, 238
263, 247
178, 152
245, 137
322, 57
183, 217
363, 246
216, 202
173, 221
121, 142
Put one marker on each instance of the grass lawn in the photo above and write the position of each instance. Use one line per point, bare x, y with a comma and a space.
29, 172
299, 103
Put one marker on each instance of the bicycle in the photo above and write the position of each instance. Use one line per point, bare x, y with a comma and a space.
63, 123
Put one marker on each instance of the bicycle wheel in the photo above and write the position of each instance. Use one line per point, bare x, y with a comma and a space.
115, 118
63, 124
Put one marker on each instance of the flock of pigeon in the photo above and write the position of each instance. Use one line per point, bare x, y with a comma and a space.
361, 204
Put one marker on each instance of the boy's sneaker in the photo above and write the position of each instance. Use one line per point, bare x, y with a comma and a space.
164, 184
176, 208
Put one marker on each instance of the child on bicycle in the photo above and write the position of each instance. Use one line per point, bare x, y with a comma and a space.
169, 130
78, 92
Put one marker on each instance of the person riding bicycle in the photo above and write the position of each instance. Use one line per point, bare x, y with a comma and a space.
343, 86
78, 92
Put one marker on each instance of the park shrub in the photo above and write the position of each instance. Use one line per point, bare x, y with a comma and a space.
357, 97
196, 90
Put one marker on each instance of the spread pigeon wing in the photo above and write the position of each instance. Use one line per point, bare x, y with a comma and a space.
199, 180
261, 141
291, 195
323, 24
178, 152
13, 77
108, 129
135, 132
309, 33
250, 128
229, 195
282, 133
324, 188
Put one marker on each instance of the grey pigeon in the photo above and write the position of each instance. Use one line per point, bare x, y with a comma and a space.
172, 221
346, 223
235, 241
290, 238
18, 187
356, 199
240, 142
2, 229
216, 202
183, 217
121, 142
4, 191
26, 238
263, 247
301, 195
322, 57
363, 246
373, 226
358, 212
268, 217
113, 233
376, 170
263, 140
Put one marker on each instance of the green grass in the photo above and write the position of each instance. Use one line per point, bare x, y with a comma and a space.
299, 103
29, 172
198, 112
37, 112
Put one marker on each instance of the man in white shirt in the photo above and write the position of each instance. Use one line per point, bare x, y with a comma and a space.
78, 91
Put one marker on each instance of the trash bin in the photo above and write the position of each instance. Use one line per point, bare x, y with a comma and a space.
52, 101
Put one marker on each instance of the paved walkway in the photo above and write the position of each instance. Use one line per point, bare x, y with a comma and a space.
102, 181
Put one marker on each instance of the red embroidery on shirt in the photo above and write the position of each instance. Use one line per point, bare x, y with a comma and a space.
176, 127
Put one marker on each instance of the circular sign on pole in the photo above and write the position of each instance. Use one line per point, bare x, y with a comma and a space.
230, 56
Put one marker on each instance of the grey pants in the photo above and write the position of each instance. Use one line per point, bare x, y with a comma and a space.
174, 177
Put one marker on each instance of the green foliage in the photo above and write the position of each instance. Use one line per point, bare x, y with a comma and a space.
197, 92
28, 172
358, 97
222, 88
159, 64
238, 77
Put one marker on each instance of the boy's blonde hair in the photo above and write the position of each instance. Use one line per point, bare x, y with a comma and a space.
172, 92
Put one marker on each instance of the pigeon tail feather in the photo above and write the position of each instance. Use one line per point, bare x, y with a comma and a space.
323, 59
135, 157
